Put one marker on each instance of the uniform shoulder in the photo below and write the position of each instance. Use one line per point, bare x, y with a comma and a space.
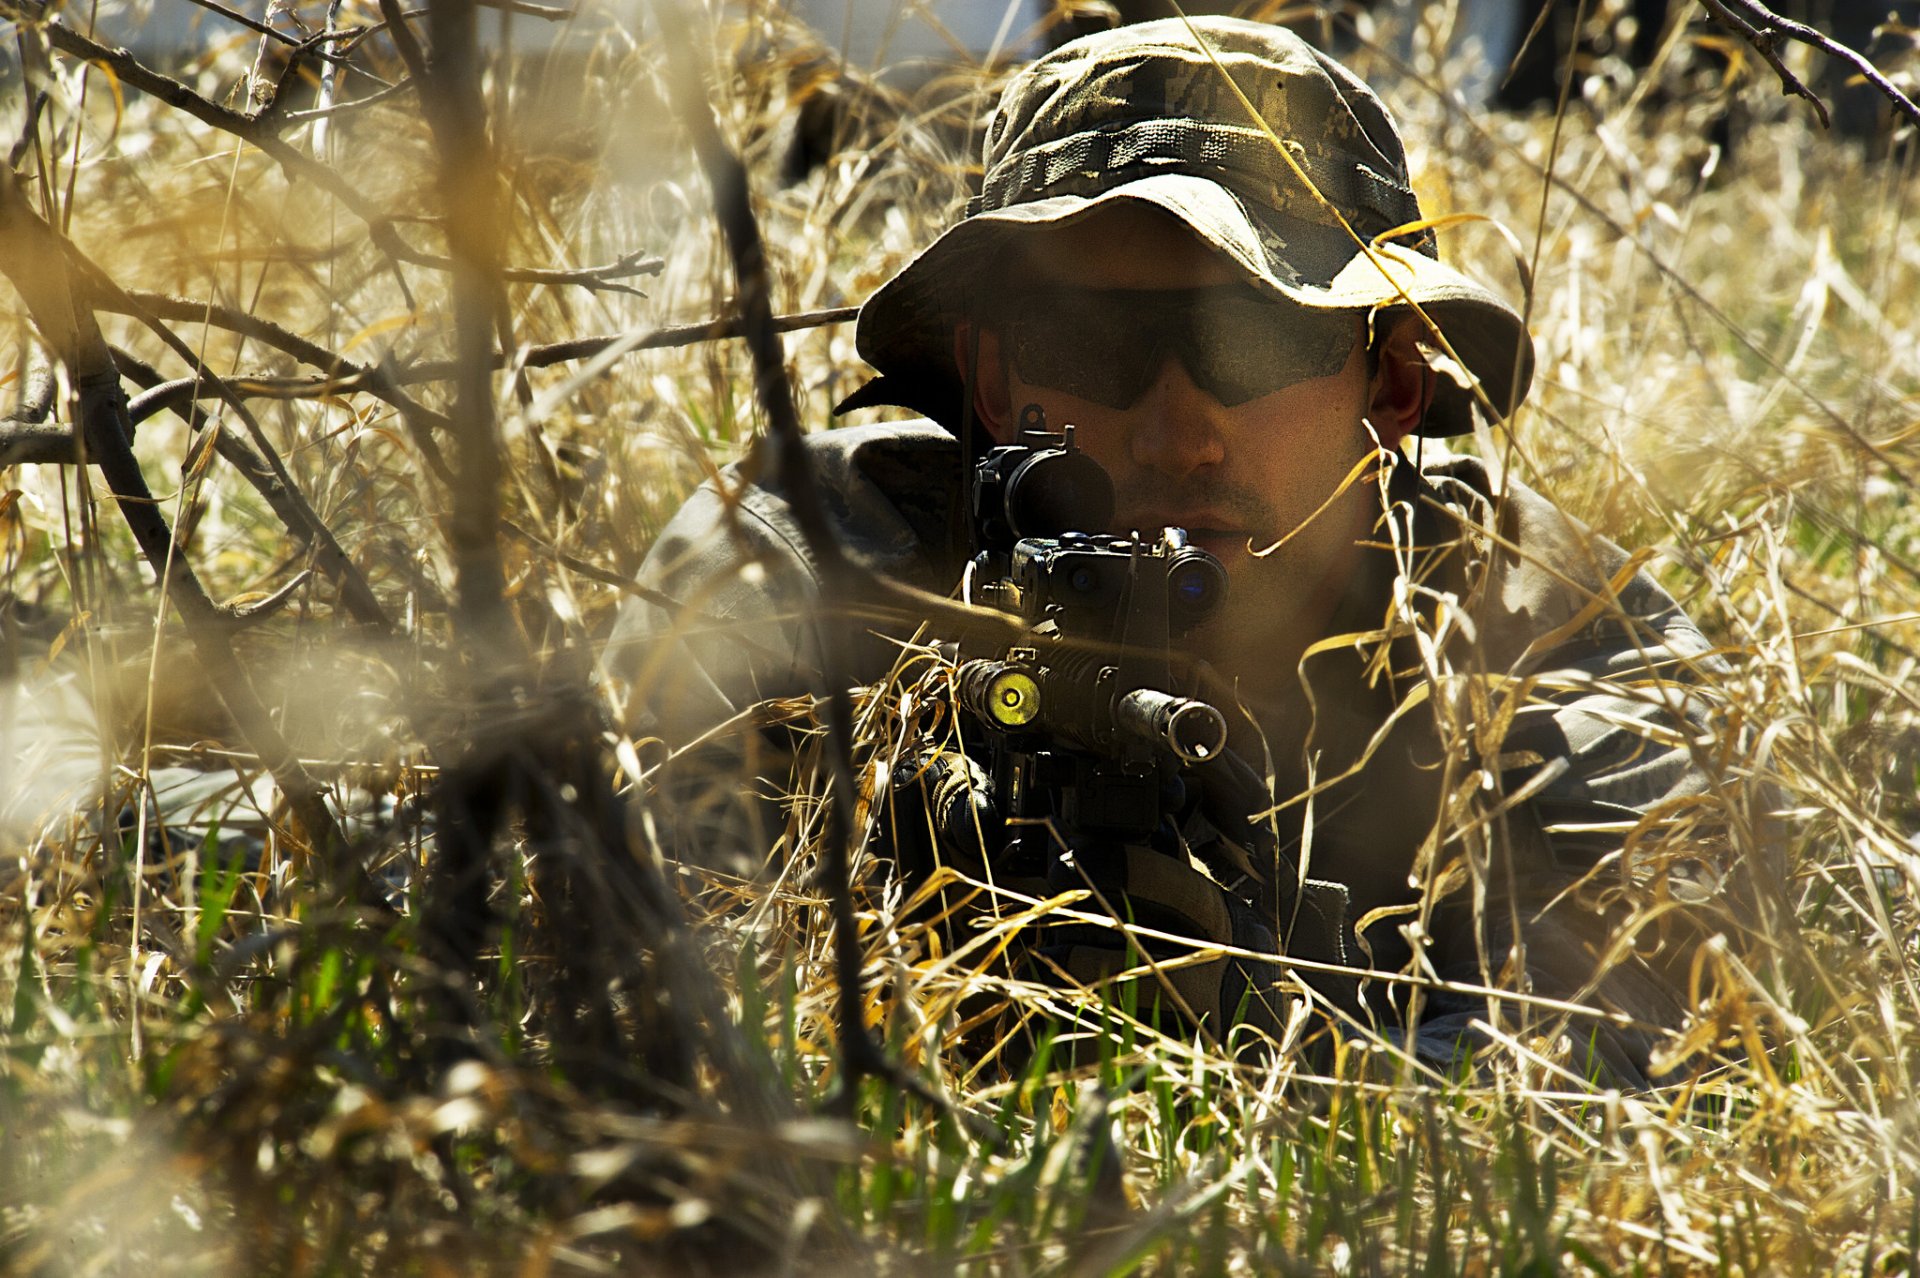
1554, 583
888, 489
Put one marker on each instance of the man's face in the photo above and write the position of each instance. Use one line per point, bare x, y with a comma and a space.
1238, 477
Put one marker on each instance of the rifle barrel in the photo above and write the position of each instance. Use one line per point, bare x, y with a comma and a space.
1193, 730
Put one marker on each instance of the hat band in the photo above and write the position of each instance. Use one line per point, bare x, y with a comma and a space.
1240, 159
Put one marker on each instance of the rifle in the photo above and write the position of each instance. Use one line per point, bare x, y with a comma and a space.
1085, 739
1077, 746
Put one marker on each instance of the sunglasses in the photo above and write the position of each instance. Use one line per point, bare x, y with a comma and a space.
1108, 345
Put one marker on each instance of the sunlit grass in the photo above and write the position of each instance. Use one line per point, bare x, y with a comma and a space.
249, 1080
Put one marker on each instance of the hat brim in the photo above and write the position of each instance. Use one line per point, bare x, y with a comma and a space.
906, 328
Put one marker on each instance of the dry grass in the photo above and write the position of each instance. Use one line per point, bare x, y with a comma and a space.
211, 1064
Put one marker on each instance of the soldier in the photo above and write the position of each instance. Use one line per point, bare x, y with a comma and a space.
1476, 723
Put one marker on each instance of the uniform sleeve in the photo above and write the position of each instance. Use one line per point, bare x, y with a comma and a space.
1610, 860
717, 634
719, 619
718, 650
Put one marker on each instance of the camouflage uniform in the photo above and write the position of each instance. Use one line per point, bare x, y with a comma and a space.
1613, 695
1506, 783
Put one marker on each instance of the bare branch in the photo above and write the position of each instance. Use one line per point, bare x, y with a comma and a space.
346, 108
263, 467
33, 59
254, 24
176, 396
475, 227
29, 443
404, 41
550, 353
1762, 28
36, 443
135, 74
342, 376
263, 132
31, 257
386, 237
1764, 44
421, 422
268, 475
36, 398
548, 12
272, 114
469, 800
249, 614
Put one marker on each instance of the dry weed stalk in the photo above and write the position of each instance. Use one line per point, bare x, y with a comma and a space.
1728, 345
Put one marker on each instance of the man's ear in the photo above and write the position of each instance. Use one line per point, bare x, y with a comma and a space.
1402, 381
992, 405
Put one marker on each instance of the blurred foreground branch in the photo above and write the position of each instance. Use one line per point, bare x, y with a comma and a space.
533, 730
687, 85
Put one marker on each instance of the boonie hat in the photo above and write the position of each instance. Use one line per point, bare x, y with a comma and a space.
1142, 113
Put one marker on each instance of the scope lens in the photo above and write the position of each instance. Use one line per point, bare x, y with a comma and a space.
1196, 584
1054, 491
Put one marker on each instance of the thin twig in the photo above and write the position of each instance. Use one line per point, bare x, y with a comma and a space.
36, 398
373, 99
1764, 44
32, 442
261, 464
131, 72
550, 353
268, 475
1762, 28
342, 376
405, 43
422, 423
36, 104
386, 237
31, 257
263, 132
23, 440
547, 12
254, 24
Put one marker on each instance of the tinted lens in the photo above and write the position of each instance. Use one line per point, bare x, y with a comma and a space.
1240, 348
1107, 345
1092, 345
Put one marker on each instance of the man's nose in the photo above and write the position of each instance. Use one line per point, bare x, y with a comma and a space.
1177, 426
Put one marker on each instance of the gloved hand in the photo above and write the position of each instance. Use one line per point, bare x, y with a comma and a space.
1168, 915
1224, 828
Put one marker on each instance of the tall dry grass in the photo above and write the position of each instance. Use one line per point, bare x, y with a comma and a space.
213, 1062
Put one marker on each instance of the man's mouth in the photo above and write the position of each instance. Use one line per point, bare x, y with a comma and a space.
1214, 533
1222, 543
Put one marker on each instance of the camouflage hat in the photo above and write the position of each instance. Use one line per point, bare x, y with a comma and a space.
1142, 113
